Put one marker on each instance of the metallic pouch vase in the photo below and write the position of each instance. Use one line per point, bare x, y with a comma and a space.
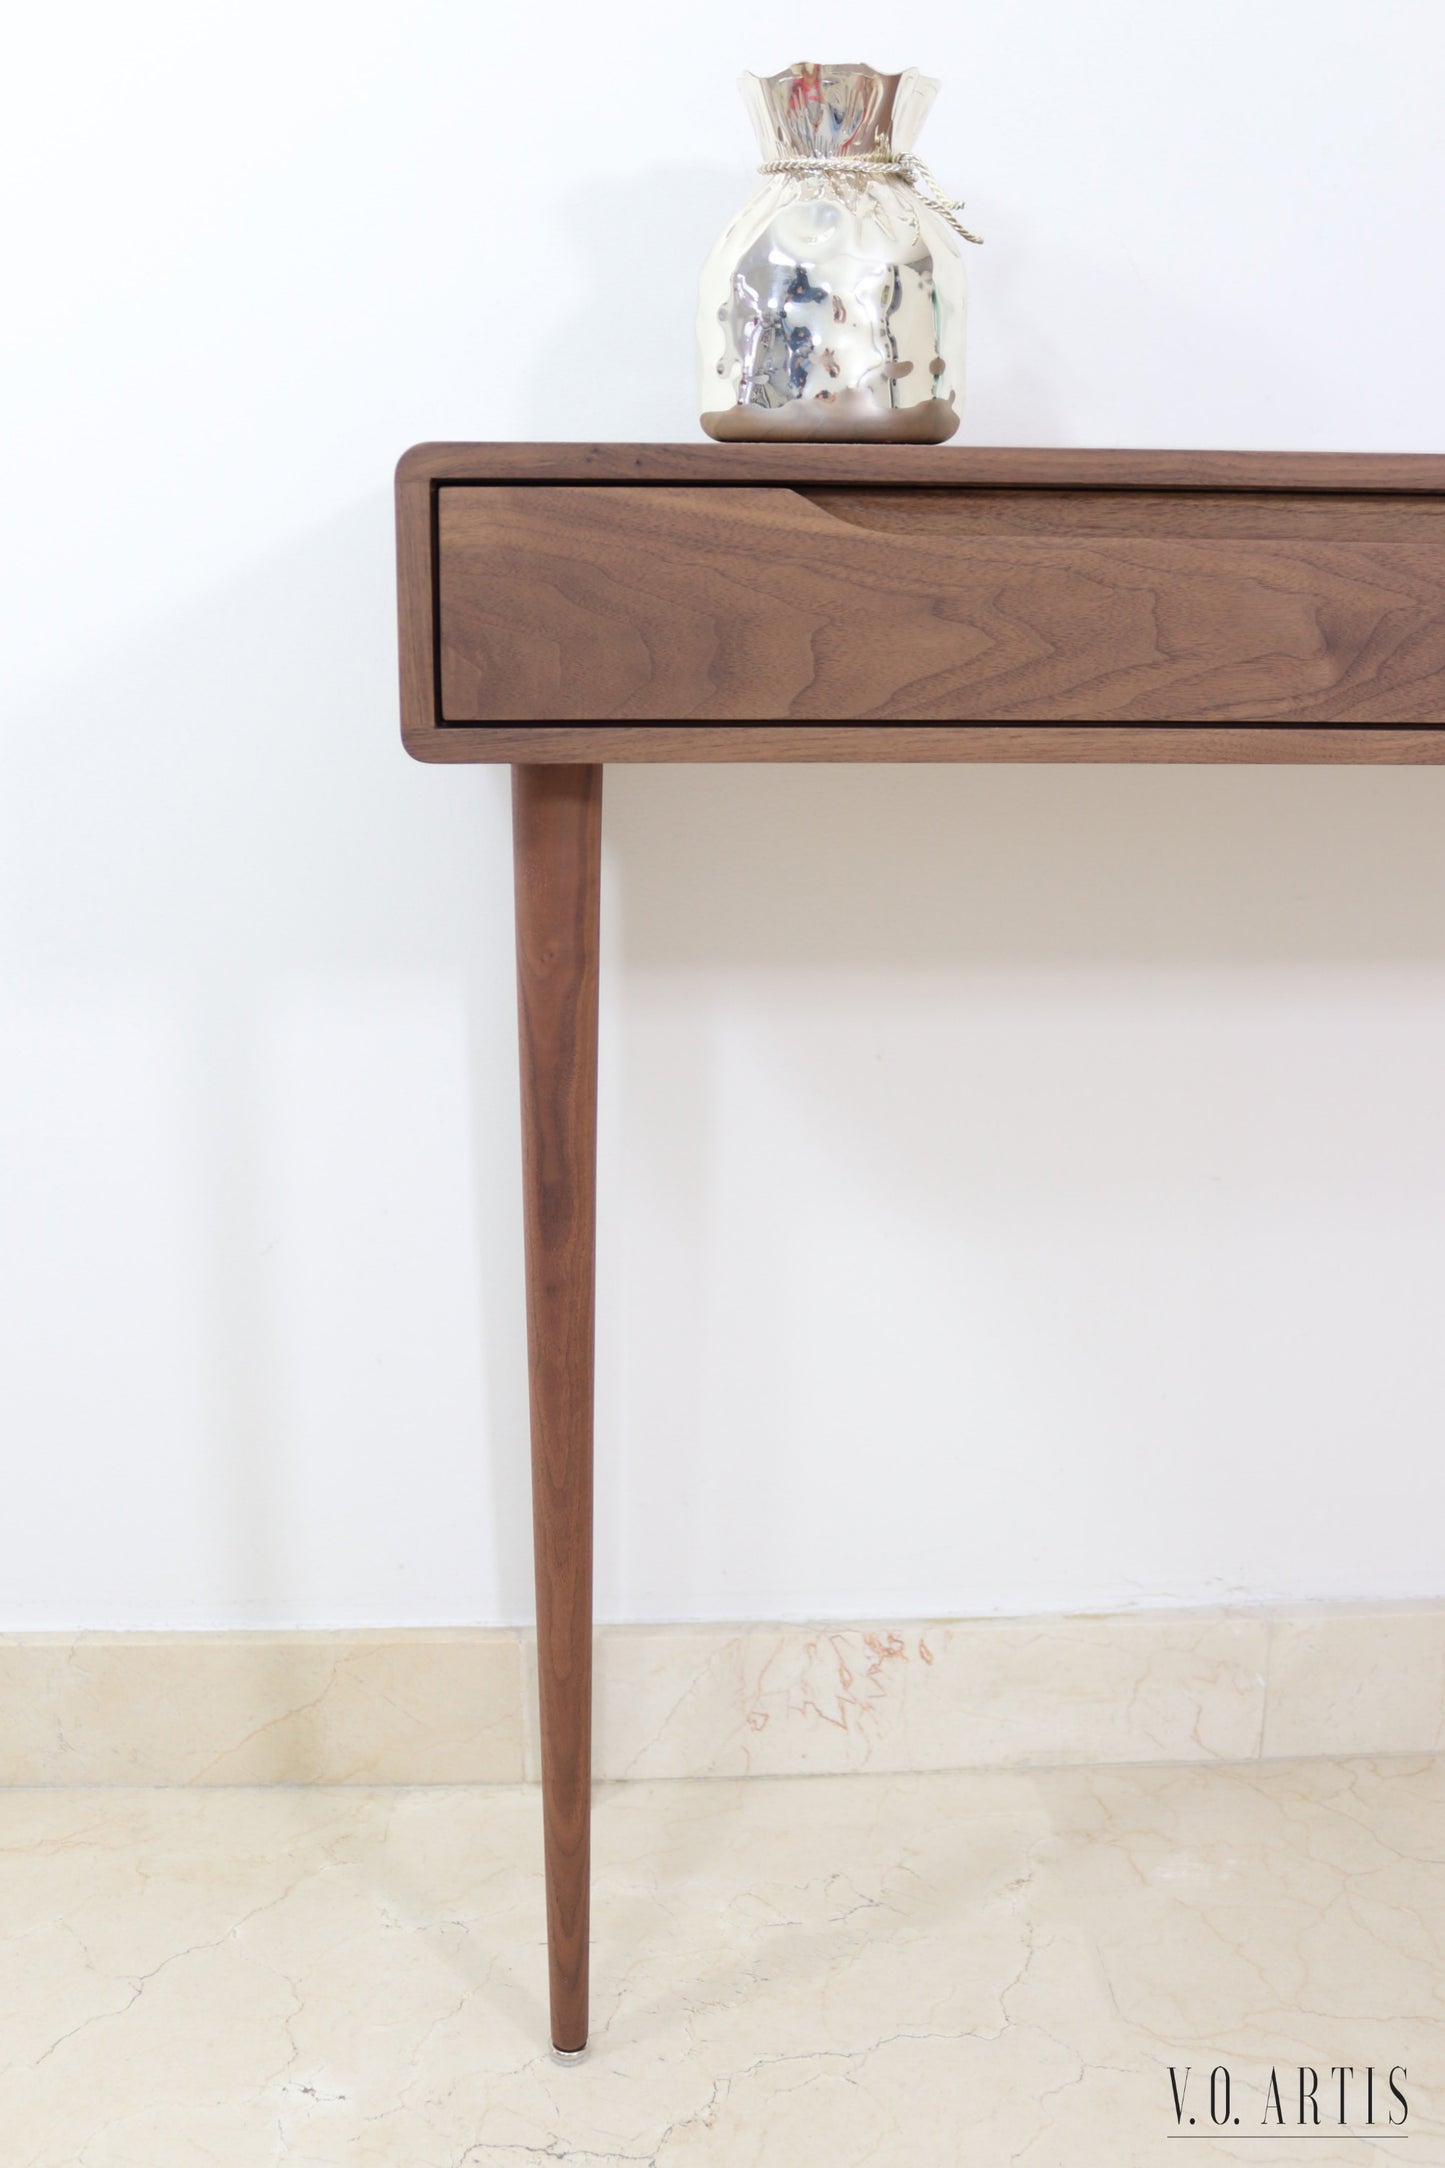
833, 305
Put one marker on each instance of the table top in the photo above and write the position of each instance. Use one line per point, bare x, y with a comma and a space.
920, 466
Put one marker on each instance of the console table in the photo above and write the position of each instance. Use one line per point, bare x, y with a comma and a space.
566, 605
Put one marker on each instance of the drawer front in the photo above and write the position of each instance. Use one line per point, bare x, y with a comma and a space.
604, 603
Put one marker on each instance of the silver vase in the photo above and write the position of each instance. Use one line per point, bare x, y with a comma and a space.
833, 305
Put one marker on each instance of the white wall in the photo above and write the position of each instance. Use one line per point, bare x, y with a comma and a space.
1021, 1189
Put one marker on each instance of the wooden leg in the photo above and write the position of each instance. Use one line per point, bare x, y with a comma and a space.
556, 837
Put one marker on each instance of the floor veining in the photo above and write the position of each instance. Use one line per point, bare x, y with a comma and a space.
1015, 1970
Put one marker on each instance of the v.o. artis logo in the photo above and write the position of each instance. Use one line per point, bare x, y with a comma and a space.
1299, 2102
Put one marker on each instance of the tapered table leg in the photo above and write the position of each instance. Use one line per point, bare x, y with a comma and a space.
556, 837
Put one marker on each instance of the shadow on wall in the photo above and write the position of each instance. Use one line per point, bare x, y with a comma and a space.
1094, 1053
218, 821
1010, 867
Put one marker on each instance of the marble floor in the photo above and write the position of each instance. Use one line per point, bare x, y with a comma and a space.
794, 1973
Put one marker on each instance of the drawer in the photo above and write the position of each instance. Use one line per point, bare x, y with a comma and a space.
852, 607
759, 604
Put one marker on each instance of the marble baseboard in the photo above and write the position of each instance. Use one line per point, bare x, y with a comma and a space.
404, 1707
444, 1706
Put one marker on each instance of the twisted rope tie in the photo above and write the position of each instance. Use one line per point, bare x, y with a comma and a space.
880, 165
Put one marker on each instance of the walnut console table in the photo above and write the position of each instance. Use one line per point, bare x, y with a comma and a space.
567, 605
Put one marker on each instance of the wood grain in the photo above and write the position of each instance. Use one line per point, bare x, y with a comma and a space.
557, 827
747, 604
